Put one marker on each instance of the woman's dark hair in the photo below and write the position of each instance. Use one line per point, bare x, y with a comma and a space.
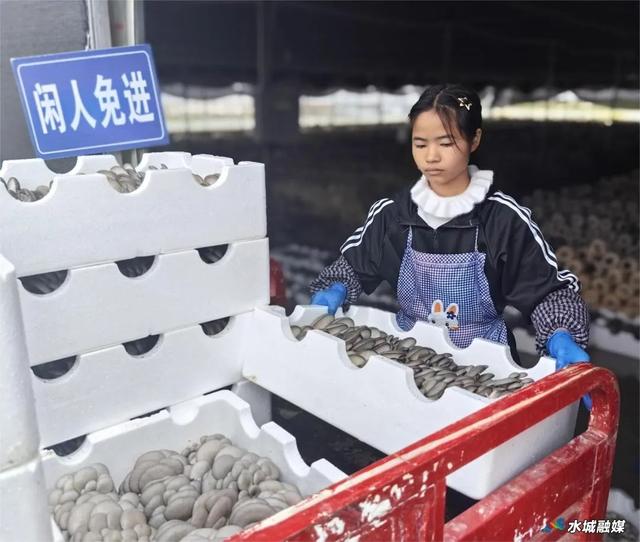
455, 105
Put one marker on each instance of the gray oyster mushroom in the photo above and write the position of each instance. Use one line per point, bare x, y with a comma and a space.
208, 180
139, 533
24, 194
200, 456
240, 470
164, 498
173, 531
278, 494
434, 372
94, 512
125, 178
133, 525
213, 508
251, 511
212, 535
69, 487
153, 466
224, 461
169, 498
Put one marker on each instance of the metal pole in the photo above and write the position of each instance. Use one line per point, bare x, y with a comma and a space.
127, 28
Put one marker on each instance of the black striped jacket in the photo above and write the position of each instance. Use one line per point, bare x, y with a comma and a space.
521, 267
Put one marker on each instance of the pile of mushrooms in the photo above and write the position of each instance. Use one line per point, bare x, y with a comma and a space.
123, 178
208, 492
433, 372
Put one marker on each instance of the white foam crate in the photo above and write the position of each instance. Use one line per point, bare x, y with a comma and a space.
84, 221
380, 403
24, 511
18, 429
98, 306
222, 412
107, 386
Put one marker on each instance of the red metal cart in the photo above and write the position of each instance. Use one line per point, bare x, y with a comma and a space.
402, 497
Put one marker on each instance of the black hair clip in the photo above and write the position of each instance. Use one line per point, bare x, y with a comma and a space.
464, 102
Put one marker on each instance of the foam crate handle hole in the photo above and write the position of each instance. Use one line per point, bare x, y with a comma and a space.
215, 327
55, 369
142, 346
30, 172
170, 160
68, 448
44, 283
208, 164
122, 180
21, 193
93, 163
136, 267
213, 254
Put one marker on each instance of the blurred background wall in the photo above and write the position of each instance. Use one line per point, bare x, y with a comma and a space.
320, 91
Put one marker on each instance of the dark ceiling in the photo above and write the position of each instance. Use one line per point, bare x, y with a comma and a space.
321, 45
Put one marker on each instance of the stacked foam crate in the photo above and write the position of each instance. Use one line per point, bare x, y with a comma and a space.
22, 487
80, 229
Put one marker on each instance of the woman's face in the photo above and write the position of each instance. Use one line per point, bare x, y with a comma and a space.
441, 157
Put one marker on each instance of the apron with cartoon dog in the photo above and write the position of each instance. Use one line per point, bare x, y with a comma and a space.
430, 282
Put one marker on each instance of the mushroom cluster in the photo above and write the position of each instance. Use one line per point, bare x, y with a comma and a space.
123, 178
25, 194
433, 372
209, 491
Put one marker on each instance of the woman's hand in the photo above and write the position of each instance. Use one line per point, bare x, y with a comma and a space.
562, 347
332, 297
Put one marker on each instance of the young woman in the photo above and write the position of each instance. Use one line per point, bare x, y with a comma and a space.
456, 250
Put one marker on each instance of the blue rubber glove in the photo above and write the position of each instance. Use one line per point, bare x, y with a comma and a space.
332, 297
562, 347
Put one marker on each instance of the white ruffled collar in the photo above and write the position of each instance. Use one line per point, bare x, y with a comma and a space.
448, 207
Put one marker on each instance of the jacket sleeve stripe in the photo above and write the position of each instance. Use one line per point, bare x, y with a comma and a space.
372, 210
537, 233
525, 214
509, 201
357, 237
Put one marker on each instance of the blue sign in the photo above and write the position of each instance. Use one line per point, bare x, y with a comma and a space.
88, 102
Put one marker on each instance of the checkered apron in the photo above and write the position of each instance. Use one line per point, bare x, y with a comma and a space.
452, 278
